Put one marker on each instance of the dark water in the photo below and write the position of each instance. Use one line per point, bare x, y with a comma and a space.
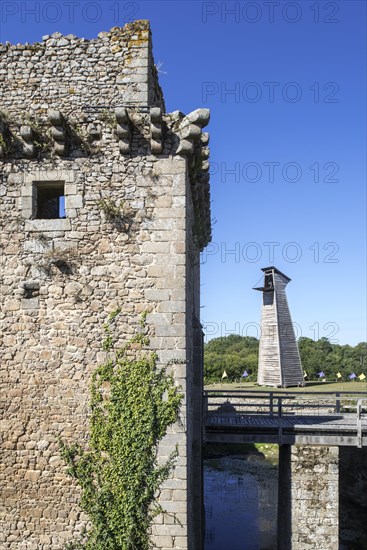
240, 496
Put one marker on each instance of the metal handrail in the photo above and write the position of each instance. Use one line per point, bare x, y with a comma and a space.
323, 398
275, 403
289, 401
359, 413
282, 392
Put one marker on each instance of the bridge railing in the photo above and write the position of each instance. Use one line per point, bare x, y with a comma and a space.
279, 403
361, 409
231, 403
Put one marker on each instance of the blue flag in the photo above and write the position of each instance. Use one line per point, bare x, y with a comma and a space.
245, 374
351, 376
321, 374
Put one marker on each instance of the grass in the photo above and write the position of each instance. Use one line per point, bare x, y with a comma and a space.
313, 386
269, 450
214, 452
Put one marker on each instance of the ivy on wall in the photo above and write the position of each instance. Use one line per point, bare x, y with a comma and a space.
132, 404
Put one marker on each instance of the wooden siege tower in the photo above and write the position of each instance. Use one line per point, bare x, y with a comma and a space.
279, 360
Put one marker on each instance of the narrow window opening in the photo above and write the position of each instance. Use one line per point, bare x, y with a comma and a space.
269, 284
50, 200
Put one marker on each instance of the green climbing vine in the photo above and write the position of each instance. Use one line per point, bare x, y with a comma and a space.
132, 404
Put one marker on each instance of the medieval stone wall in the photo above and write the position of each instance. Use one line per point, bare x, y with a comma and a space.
308, 497
114, 69
88, 115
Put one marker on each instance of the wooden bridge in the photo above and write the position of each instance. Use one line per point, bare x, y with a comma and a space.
285, 418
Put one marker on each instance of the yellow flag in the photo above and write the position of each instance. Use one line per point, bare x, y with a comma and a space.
361, 376
305, 375
338, 375
224, 375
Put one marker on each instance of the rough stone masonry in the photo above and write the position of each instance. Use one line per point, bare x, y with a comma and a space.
104, 203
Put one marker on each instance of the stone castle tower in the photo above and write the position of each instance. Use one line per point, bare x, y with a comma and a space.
104, 203
279, 359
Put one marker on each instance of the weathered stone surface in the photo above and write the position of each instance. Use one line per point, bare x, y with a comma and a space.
308, 502
86, 265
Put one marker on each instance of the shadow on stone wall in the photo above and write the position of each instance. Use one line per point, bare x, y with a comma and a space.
352, 498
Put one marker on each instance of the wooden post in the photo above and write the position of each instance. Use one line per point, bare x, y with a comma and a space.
271, 396
280, 420
337, 403
359, 423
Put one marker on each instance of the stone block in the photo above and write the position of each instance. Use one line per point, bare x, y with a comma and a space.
175, 484
16, 178
156, 247
165, 541
70, 189
37, 246
170, 530
51, 174
170, 330
179, 495
170, 306
157, 295
159, 319
48, 225
31, 303
181, 542
27, 203
32, 475
177, 212
73, 201
173, 507
169, 167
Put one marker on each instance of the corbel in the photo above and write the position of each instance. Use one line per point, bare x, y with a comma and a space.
124, 130
156, 130
58, 132
28, 136
190, 131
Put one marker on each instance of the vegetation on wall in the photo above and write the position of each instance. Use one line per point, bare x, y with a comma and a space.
120, 215
236, 354
132, 404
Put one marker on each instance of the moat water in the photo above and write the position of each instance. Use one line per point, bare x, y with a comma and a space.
240, 494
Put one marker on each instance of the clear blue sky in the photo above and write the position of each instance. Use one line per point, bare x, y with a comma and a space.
286, 85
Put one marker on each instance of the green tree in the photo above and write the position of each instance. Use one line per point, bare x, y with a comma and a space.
331, 358
234, 354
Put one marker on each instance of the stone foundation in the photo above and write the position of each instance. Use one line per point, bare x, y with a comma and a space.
308, 501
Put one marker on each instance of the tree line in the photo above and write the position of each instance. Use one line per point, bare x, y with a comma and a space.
237, 354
